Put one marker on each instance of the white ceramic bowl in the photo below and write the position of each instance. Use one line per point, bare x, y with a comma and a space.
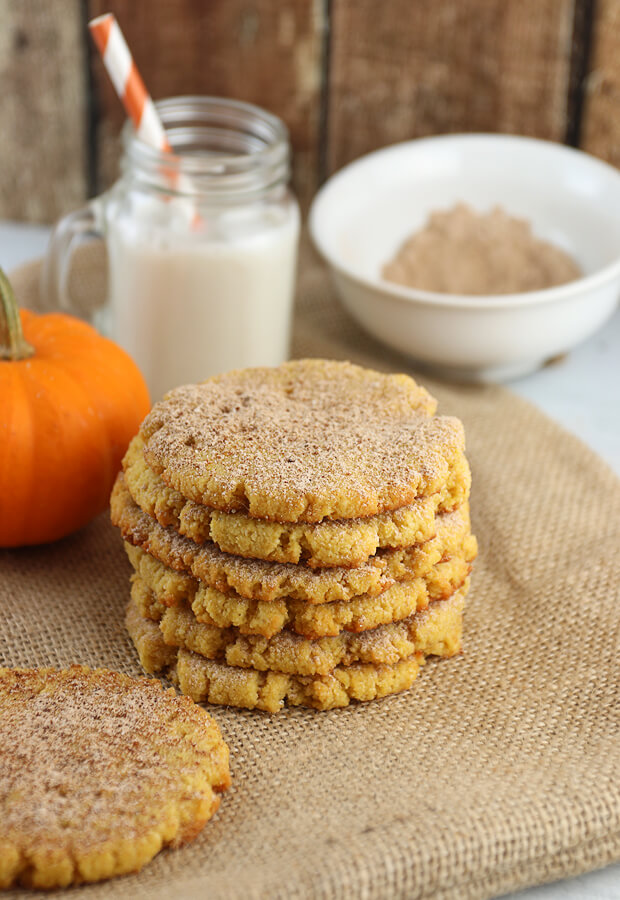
364, 212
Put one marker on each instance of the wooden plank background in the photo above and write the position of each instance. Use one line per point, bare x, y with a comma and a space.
347, 76
43, 109
420, 69
263, 52
601, 126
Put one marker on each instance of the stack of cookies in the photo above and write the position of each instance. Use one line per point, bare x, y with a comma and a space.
298, 535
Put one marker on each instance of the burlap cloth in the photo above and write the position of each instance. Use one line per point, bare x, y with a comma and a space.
498, 769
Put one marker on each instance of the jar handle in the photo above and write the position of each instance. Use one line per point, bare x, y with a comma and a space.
73, 230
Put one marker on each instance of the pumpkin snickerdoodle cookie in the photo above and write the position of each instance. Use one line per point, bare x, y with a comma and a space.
257, 579
436, 630
98, 772
302, 442
344, 542
212, 681
169, 588
299, 535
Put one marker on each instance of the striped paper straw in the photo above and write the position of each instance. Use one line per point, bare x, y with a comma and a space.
128, 82
134, 96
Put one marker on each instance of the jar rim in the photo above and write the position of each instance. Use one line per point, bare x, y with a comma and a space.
224, 146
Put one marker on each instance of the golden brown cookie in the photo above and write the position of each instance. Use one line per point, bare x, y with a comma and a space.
309, 440
265, 581
435, 630
212, 607
343, 542
213, 682
205, 680
98, 772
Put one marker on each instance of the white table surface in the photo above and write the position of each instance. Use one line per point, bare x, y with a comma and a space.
581, 392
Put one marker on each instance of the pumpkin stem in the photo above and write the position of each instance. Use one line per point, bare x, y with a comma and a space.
13, 345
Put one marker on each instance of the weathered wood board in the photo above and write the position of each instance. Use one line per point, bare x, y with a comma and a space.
43, 109
347, 76
600, 130
405, 69
260, 51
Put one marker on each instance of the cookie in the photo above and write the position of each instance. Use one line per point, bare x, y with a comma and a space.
98, 772
308, 440
329, 543
213, 682
433, 631
265, 581
400, 600
205, 680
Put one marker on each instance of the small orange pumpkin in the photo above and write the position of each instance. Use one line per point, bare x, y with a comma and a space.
70, 401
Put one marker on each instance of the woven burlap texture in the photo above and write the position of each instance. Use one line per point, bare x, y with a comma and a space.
497, 770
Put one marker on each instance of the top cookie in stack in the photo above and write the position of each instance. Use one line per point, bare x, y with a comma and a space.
335, 483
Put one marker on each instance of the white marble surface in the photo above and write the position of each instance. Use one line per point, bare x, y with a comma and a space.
21, 243
581, 392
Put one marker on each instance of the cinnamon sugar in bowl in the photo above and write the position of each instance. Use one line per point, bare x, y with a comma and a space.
364, 214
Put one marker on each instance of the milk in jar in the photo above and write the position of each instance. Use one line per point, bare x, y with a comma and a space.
201, 244
191, 300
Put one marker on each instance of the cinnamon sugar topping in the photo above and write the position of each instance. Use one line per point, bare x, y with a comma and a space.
93, 762
308, 440
260, 580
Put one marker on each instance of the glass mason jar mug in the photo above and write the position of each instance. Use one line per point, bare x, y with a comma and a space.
202, 244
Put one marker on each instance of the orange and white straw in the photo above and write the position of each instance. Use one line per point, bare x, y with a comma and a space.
134, 96
128, 82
